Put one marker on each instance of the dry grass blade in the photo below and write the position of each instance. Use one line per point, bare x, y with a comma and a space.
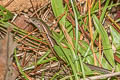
26, 35
100, 44
68, 38
91, 32
102, 76
116, 25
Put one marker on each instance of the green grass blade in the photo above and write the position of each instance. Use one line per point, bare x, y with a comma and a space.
60, 53
74, 59
44, 56
115, 37
42, 62
70, 61
104, 11
82, 67
19, 67
76, 31
105, 40
58, 9
5, 14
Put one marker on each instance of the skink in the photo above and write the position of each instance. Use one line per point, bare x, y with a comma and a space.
42, 26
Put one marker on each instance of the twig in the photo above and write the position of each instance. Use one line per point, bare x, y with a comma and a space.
102, 76
26, 35
8, 3
40, 9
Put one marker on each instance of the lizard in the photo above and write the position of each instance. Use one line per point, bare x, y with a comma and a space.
42, 26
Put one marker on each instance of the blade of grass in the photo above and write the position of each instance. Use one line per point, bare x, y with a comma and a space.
5, 14
67, 36
76, 31
42, 62
115, 37
71, 63
44, 56
76, 64
95, 11
58, 9
20, 31
60, 53
67, 77
91, 32
105, 40
100, 44
113, 21
82, 67
19, 67
104, 11
43, 74
55, 75
61, 37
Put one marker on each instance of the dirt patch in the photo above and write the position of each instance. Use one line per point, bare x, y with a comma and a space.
22, 5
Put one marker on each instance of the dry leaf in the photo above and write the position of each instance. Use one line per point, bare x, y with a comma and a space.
6, 50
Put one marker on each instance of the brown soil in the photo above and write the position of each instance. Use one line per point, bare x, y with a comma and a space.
22, 5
